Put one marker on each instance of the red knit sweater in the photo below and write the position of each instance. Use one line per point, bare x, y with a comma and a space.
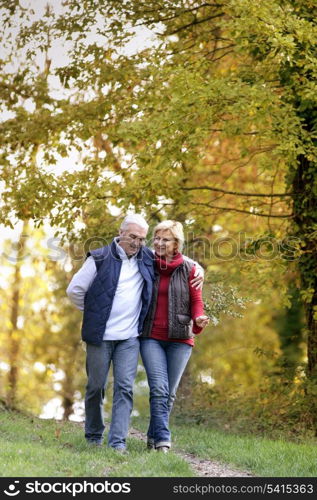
160, 323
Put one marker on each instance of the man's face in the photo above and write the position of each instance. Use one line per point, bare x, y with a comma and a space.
132, 238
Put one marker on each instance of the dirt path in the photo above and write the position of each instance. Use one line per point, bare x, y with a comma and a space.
203, 468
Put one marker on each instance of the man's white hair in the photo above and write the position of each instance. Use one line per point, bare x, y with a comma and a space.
134, 219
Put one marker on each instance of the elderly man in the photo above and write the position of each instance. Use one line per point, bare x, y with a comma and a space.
114, 288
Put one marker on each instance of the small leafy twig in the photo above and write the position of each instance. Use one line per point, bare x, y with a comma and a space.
224, 300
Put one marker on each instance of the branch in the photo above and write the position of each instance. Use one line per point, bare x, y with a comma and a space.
193, 24
223, 55
264, 195
232, 209
178, 14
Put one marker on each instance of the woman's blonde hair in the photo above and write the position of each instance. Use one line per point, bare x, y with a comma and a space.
176, 228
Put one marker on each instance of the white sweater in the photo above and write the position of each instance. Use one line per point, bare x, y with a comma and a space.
126, 307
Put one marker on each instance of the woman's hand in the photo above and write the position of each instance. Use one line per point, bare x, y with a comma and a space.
202, 321
198, 279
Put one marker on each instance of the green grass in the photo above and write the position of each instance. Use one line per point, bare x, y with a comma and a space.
260, 456
31, 447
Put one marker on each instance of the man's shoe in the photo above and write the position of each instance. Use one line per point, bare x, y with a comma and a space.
122, 451
163, 449
94, 443
150, 444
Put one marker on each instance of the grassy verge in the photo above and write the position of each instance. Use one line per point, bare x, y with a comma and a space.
31, 447
261, 456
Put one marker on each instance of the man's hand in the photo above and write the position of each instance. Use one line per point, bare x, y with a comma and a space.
198, 279
202, 321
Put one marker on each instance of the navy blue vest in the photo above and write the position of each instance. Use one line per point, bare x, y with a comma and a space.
100, 295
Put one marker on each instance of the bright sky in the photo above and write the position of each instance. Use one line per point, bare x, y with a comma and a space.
58, 54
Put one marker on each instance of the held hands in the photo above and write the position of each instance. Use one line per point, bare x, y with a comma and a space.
202, 321
198, 279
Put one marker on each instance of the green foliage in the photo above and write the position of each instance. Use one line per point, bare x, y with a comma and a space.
165, 93
277, 408
224, 301
226, 355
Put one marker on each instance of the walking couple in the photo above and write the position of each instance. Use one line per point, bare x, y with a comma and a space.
135, 299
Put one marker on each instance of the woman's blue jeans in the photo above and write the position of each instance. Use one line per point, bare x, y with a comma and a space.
164, 363
124, 356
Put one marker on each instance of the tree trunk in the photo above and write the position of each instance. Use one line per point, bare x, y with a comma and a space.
312, 337
289, 323
67, 404
311, 391
68, 394
305, 212
14, 334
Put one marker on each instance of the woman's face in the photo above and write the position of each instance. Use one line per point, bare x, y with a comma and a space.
165, 244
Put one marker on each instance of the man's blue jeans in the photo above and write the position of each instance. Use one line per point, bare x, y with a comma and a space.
164, 362
124, 356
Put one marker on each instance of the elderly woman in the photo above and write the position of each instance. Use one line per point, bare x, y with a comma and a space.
175, 316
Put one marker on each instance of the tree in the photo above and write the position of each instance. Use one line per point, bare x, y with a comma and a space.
24, 299
65, 349
214, 121
40, 329
14, 331
289, 324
